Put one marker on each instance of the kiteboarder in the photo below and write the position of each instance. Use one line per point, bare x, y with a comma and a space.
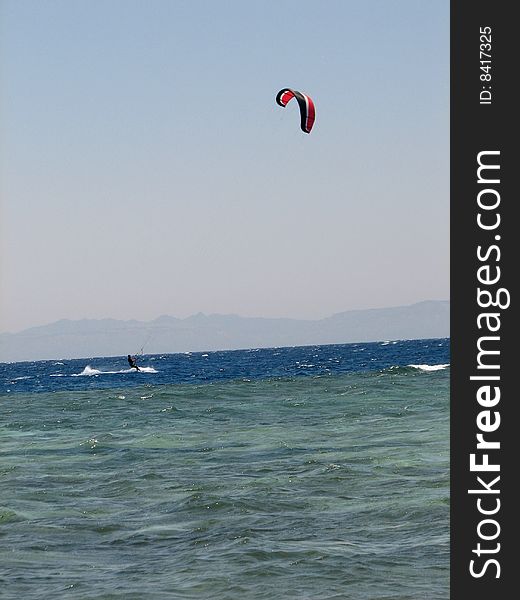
133, 363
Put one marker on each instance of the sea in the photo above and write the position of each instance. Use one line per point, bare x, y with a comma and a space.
305, 473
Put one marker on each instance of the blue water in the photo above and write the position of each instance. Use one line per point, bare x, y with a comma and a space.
299, 473
201, 367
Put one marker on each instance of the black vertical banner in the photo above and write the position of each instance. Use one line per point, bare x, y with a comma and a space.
485, 251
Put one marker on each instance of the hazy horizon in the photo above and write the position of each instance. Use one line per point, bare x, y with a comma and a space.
208, 314
214, 332
145, 168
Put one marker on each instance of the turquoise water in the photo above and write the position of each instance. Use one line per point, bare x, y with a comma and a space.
294, 488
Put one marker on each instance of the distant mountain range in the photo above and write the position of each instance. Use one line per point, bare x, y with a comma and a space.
110, 337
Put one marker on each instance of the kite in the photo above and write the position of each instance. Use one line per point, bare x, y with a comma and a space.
307, 110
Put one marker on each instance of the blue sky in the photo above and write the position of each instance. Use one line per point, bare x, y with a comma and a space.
146, 168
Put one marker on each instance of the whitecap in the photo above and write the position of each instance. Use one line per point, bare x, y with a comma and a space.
430, 367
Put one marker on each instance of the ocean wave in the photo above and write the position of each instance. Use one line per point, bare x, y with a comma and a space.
430, 367
402, 369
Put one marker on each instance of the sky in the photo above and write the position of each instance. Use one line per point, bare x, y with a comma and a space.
146, 169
